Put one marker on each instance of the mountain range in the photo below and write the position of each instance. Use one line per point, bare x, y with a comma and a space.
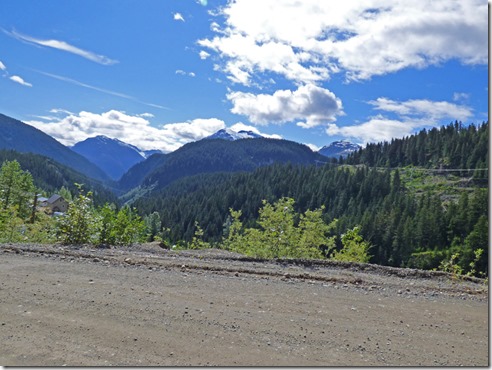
125, 166
215, 155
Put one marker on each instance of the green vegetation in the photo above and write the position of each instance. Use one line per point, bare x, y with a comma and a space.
77, 226
84, 223
212, 156
411, 216
20, 221
279, 236
355, 249
450, 147
51, 177
401, 204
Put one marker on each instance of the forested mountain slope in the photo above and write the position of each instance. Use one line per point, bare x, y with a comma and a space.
216, 155
136, 174
24, 138
51, 176
453, 146
412, 217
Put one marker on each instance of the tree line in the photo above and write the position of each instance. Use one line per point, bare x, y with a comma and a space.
279, 236
394, 204
410, 216
454, 146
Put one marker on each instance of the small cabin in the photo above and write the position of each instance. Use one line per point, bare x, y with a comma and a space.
55, 203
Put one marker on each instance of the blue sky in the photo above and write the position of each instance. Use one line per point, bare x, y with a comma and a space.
159, 74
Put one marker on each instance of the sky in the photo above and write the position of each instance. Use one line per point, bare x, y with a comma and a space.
161, 73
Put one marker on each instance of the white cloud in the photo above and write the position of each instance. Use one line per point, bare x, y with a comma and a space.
411, 115
105, 91
204, 55
145, 115
135, 130
64, 46
59, 110
457, 96
20, 80
431, 110
376, 129
310, 105
183, 73
2, 66
178, 17
307, 41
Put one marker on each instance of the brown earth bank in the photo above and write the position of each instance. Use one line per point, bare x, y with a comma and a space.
80, 305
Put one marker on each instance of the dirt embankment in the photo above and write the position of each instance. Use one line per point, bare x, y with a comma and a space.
147, 306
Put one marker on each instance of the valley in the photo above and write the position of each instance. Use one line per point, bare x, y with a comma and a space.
244, 183
417, 202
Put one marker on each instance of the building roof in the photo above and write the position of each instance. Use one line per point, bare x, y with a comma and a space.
54, 198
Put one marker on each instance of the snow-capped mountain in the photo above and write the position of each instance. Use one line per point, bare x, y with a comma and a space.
231, 135
338, 148
113, 156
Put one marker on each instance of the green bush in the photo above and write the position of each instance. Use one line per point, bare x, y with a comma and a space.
79, 224
278, 236
355, 249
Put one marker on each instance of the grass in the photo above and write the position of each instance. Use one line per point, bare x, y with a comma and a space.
448, 186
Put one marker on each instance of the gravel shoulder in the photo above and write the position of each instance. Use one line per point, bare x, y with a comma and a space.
85, 306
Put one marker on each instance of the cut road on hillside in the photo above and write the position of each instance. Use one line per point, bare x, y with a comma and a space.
81, 306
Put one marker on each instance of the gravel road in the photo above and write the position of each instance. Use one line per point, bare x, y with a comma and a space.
84, 306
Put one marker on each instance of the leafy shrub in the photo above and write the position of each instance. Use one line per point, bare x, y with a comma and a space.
79, 223
278, 235
355, 249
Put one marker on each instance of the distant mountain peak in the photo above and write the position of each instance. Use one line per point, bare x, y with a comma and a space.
339, 148
114, 156
105, 140
231, 135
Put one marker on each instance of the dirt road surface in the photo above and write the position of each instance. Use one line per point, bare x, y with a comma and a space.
80, 306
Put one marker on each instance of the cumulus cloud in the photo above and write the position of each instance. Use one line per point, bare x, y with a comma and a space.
133, 129
20, 81
310, 40
309, 104
178, 17
410, 115
64, 46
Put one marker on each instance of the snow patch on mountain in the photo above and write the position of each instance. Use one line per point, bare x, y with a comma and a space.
231, 135
339, 148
